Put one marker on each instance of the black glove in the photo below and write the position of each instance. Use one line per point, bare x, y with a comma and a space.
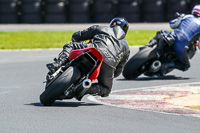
150, 44
73, 40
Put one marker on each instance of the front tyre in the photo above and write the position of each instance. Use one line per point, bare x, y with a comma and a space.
57, 87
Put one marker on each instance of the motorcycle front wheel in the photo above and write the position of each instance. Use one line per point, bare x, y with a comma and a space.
59, 85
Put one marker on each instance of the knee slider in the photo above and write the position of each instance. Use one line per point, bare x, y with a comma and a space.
104, 92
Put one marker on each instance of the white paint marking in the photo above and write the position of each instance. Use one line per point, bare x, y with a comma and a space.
138, 97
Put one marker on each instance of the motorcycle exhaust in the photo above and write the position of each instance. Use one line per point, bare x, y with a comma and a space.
87, 83
155, 66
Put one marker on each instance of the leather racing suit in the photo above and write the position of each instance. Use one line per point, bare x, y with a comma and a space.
187, 29
112, 45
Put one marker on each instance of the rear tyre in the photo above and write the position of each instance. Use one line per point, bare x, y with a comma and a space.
59, 85
133, 67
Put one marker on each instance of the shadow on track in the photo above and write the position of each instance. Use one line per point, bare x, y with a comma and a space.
65, 104
168, 77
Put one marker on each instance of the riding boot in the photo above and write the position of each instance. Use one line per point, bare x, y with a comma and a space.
62, 59
94, 91
176, 65
165, 68
181, 66
98, 90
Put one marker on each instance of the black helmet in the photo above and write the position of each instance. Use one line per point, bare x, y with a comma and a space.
122, 22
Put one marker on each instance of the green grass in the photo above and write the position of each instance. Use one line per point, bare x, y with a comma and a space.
140, 37
56, 39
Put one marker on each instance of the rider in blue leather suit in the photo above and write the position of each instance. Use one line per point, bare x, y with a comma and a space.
186, 29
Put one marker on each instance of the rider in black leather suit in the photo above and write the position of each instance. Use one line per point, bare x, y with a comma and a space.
111, 43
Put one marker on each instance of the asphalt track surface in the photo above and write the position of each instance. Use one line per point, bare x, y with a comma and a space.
22, 74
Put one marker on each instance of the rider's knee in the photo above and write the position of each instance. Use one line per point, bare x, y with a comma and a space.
100, 90
184, 67
104, 92
187, 66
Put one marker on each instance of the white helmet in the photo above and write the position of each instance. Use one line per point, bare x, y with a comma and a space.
196, 10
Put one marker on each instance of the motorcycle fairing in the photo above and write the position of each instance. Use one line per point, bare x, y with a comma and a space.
74, 53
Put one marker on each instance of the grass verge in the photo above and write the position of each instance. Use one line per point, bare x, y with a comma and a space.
56, 39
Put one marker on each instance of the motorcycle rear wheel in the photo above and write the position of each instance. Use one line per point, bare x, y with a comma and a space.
133, 67
59, 85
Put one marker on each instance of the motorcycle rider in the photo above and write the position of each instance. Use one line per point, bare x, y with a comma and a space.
186, 30
110, 41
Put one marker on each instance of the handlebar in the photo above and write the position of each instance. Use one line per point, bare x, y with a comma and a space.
177, 14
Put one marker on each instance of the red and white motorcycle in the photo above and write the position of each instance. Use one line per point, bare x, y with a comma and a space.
73, 79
